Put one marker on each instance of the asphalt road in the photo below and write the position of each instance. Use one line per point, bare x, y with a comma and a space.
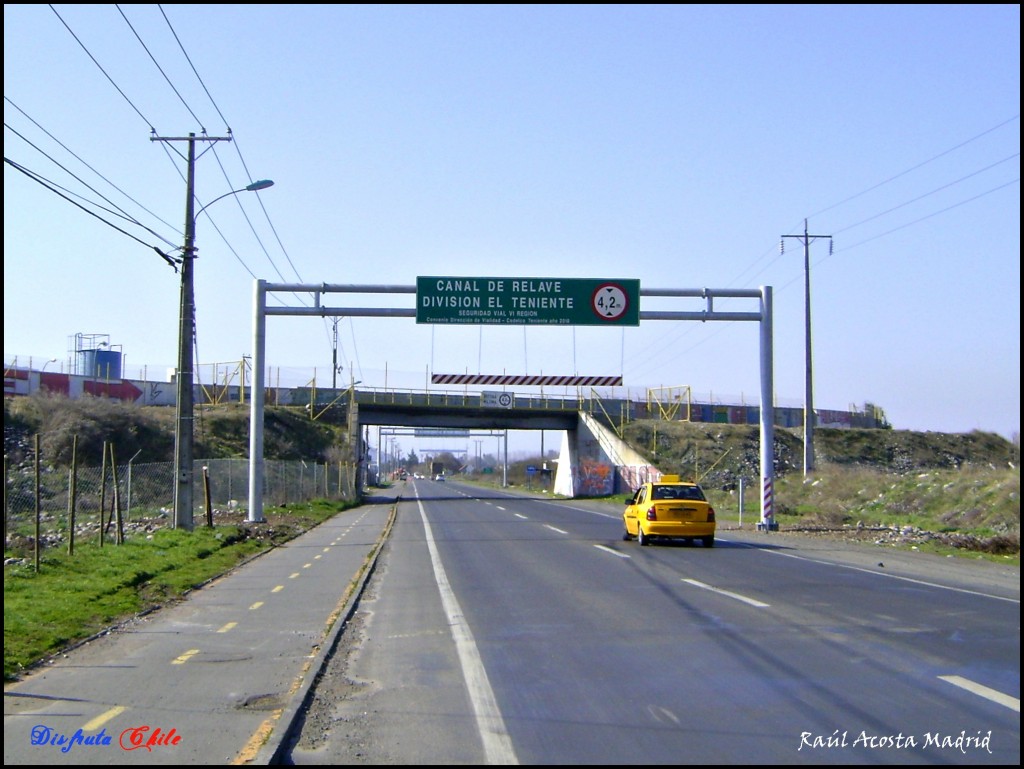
498, 629
460, 626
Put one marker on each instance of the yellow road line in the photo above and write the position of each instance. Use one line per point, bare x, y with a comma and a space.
101, 719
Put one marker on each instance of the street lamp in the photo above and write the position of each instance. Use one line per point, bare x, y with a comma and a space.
262, 184
51, 360
183, 435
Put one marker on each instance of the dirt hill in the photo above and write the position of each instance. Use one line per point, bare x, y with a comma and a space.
722, 453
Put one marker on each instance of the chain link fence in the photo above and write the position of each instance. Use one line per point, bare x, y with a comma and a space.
144, 493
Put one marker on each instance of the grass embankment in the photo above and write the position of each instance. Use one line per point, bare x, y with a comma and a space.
73, 597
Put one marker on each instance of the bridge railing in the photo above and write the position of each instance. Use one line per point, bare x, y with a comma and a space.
453, 399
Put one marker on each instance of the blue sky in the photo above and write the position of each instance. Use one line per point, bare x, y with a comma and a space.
672, 144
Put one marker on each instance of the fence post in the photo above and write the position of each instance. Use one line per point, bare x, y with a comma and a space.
206, 492
38, 503
6, 505
129, 511
741, 502
116, 503
103, 492
72, 495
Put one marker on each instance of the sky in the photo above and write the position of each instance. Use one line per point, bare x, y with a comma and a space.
681, 146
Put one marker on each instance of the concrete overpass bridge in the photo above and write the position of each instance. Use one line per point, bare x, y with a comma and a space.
464, 410
592, 460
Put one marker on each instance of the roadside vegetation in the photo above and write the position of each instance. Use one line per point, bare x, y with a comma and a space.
950, 493
69, 598
955, 494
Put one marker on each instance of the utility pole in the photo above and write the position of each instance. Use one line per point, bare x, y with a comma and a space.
808, 387
183, 435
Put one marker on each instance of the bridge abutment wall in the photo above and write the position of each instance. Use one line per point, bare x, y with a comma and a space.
595, 462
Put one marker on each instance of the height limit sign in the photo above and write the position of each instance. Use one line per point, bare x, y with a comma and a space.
528, 301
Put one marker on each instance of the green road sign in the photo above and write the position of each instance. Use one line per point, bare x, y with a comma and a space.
528, 301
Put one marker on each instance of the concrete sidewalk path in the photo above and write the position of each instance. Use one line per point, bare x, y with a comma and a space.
215, 679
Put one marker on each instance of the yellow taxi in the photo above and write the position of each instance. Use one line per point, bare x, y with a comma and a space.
669, 509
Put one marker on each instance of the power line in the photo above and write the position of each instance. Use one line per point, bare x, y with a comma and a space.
83, 162
936, 213
676, 333
116, 87
159, 68
223, 170
932, 192
195, 71
50, 186
914, 168
149, 123
120, 212
266, 214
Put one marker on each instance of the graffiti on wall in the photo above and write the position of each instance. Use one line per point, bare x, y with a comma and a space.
631, 477
594, 479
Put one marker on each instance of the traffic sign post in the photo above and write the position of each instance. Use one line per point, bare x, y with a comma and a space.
497, 399
528, 301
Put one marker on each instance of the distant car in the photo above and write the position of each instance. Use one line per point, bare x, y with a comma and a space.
439, 477
669, 509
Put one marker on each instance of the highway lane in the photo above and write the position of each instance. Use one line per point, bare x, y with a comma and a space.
503, 629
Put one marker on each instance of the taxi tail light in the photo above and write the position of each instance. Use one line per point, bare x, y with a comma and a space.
711, 514
652, 514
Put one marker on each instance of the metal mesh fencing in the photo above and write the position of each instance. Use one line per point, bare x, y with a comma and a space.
145, 492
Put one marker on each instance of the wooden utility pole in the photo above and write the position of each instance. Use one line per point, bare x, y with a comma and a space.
808, 382
184, 377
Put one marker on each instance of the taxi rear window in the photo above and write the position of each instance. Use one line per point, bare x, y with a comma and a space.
677, 492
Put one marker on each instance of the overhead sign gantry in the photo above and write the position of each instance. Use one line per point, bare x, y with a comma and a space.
528, 301
522, 301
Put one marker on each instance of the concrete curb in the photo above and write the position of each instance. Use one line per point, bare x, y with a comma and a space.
284, 731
